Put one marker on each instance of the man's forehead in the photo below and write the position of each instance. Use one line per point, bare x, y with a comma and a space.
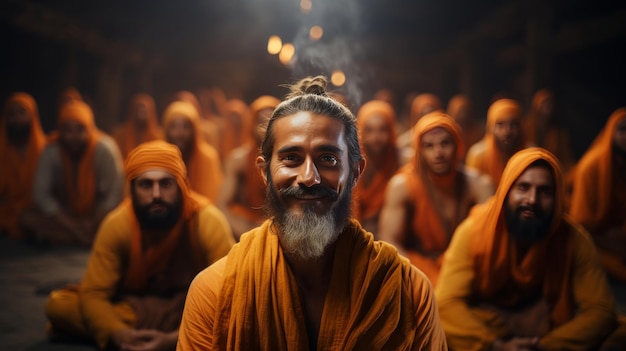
156, 174
537, 173
438, 131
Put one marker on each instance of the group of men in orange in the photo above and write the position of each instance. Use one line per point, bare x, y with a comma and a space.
500, 256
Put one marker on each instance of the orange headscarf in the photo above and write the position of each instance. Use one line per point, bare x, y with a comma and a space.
204, 167
546, 268
422, 102
80, 179
126, 133
371, 197
594, 175
493, 162
18, 170
472, 130
427, 223
234, 135
161, 155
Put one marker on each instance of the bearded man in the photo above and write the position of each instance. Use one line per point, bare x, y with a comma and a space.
310, 277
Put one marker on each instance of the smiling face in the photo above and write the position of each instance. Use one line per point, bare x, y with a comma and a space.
530, 204
309, 181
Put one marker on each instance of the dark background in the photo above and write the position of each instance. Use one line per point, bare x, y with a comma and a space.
109, 50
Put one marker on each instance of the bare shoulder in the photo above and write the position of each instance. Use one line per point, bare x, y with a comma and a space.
397, 188
479, 185
237, 160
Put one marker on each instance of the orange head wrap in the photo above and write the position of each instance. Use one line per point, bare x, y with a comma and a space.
261, 103
420, 103
186, 110
455, 105
545, 267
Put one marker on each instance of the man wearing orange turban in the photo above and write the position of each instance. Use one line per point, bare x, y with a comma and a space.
599, 194
141, 124
204, 169
21, 142
503, 137
310, 278
376, 123
430, 196
145, 254
243, 193
520, 275
79, 179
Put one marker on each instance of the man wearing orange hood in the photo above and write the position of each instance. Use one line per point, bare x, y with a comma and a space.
243, 193
519, 275
429, 197
503, 137
141, 124
79, 179
21, 142
310, 278
599, 194
145, 254
421, 105
181, 123
376, 123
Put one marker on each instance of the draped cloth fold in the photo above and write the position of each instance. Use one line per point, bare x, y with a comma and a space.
367, 308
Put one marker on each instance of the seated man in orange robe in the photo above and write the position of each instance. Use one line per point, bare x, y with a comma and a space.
310, 278
376, 123
140, 126
503, 137
79, 179
21, 142
519, 275
599, 194
542, 129
145, 254
204, 169
243, 192
429, 197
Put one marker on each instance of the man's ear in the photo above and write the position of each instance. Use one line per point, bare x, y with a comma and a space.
262, 166
360, 166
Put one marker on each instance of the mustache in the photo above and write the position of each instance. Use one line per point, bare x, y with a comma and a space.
535, 209
315, 191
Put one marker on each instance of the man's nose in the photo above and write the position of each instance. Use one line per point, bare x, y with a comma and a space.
308, 175
156, 190
532, 197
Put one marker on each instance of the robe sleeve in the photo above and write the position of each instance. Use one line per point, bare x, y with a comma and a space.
102, 278
595, 317
464, 330
196, 327
215, 234
430, 334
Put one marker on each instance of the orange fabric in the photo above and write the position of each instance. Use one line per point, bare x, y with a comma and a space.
546, 268
371, 196
422, 102
18, 170
594, 190
156, 155
555, 138
126, 134
261, 103
491, 161
472, 131
369, 308
80, 179
236, 129
204, 168
427, 224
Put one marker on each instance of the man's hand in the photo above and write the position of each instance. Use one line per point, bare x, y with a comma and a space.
516, 344
145, 340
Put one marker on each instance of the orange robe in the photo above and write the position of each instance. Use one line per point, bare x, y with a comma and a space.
127, 267
482, 274
204, 168
599, 192
370, 197
472, 130
554, 139
428, 235
250, 300
126, 135
485, 156
18, 170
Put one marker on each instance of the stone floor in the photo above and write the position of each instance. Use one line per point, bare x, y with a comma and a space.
28, 273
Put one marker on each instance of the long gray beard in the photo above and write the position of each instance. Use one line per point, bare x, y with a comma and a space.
308, 234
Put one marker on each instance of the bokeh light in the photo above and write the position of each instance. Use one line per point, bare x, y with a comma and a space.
306, 6
338, 78
316, 33
274, 45
286, 54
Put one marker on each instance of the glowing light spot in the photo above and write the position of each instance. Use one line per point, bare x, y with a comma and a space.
338, 78
305, 6
286, 54
316, 33
274, 44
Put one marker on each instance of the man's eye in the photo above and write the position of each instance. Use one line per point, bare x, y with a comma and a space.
167, 183
330, 159
144, 184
